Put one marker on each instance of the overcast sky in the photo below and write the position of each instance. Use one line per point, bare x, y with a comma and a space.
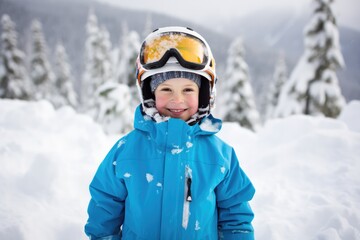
346, 11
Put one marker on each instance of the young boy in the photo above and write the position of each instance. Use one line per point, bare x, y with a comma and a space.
172, 178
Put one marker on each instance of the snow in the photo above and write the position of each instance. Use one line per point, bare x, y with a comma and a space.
197, 225
176, 150
351, 115
149, 177
127, 175
305, 170
208, 126
113, 103
47, 159
189, 144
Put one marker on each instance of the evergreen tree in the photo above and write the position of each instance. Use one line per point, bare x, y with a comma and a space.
14, 81
114, 113
128, 51
89, 79
107, 102
40, 71
64, 79
238, 94
98, 65
280, 77
120, 72
313, 87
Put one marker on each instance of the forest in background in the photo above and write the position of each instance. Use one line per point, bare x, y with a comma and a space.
69, 28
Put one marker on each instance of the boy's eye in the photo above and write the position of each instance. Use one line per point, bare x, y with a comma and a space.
189, 90
165, 89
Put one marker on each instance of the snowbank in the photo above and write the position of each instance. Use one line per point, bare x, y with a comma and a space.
305, 171
47, 159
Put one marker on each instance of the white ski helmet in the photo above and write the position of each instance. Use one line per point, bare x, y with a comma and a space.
174, 49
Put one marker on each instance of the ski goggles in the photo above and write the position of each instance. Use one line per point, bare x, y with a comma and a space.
191, 52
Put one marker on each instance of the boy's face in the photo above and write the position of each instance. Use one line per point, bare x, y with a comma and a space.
177, 98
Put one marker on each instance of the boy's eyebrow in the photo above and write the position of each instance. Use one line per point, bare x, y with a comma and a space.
185, 85
164, 85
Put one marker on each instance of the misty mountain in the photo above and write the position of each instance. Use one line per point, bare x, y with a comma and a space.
265, 35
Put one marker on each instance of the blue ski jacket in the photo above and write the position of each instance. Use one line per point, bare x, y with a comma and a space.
170, 181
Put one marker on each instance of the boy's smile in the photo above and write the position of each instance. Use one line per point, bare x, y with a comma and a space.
177, 98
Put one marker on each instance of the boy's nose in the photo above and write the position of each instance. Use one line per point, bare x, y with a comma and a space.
177, 97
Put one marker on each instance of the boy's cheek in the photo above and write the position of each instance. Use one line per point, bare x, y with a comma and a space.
160, 101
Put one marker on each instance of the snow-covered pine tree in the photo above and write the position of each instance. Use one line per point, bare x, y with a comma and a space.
98, 65
239, 100
14, 81
89, 79
313, 87
128, 51
279, 79
105, 100
114, 113
41, 73
120, 72
64, 79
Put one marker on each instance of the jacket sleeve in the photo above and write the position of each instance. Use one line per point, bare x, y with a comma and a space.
106, 207
234, 212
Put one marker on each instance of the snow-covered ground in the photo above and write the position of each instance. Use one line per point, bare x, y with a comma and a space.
306, 171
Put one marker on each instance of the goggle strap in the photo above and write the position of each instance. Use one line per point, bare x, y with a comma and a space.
140, 73
174, 53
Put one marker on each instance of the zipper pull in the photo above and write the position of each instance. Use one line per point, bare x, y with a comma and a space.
188, 195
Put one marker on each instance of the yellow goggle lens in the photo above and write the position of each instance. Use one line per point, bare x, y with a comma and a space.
190, 48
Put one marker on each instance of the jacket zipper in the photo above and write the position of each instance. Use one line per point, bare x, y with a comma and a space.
188, 194
187, 197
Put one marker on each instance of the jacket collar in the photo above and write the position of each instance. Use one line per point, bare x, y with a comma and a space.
207, 126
